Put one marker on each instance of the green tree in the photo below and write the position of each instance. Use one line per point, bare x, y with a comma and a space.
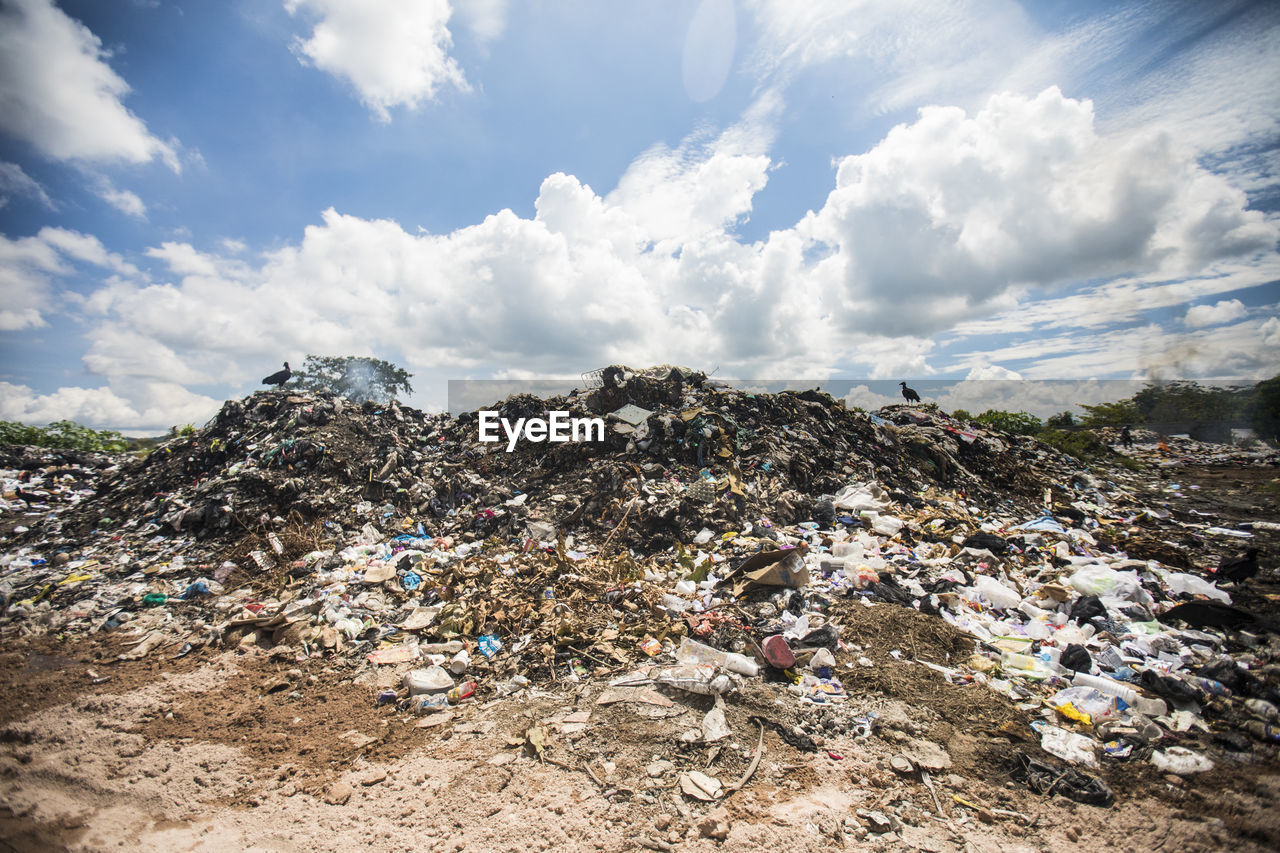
357, 378
1114, 414
1190, 401
1265, 416
1018, 423
1061, 420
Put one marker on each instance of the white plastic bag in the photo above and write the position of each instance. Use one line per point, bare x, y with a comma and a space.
887, 525
1190, 584
1180, 760
1100, 580
997, 594
855, 498
1069, 746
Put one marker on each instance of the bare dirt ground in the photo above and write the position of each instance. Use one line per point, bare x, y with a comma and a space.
210, 756
251, 750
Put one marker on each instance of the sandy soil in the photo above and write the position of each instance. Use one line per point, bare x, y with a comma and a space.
260, 750
246, 751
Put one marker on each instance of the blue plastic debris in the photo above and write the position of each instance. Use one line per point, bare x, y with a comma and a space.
489, 645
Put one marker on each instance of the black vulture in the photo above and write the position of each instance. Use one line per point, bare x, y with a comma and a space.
1240, 568
279, 377
910, 395
1208, 614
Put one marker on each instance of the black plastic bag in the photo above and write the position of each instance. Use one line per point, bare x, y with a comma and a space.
1076, 657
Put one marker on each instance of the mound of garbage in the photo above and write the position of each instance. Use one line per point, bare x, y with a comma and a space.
698, 454
713, 536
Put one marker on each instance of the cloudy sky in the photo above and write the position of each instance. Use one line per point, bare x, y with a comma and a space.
193, 192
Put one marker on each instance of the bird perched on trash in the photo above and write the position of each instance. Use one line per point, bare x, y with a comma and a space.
910, 395
1210, 614
279, 377
1240, 568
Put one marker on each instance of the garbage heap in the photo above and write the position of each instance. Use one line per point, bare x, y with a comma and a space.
696, 454
713, 536
43, 481
1179, 450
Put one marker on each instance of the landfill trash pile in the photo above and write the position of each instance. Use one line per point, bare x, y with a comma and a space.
38, 483
718, 550
1177, 451
698, 454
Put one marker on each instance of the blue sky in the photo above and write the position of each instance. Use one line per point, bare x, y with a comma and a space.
193, 192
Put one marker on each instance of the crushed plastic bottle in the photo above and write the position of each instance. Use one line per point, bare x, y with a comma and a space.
691, 651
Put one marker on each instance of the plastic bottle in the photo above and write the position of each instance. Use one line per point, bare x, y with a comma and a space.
463, 691
1211, 687
1028, 666
1262, 709
450, 648
1026, 608
1131, 697
1014, 660
1262, 731
691, 651
429, 703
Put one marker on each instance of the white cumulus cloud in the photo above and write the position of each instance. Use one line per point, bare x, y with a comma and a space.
992, 372
30, 265
58, 93
394, 52
125, 201
945, 218
949, 213
1039, 398
151, 407
1199, 316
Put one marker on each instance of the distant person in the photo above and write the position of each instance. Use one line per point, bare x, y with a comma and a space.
1126, 437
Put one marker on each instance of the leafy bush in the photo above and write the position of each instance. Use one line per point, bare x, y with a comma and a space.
12, 432
64, 435
1018, 423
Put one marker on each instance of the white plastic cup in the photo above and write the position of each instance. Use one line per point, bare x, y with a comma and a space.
460, 662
